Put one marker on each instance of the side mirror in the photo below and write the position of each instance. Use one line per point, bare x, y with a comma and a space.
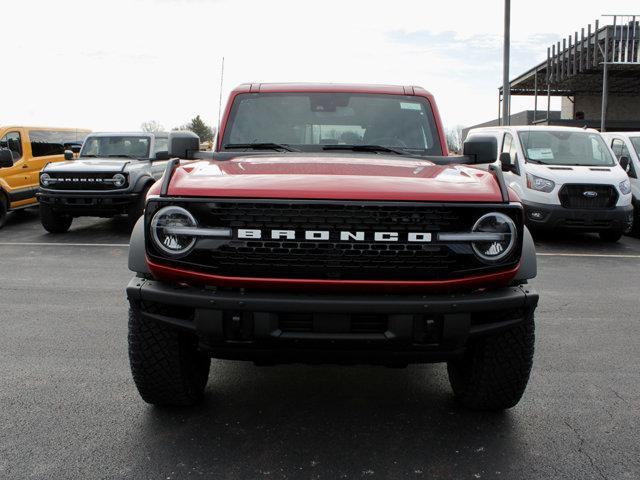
183, 144
68, 155
162, 155
505, 162
76, 148
6, 158
481, 149
625, 163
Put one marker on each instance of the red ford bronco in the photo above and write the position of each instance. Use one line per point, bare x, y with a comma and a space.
330, 225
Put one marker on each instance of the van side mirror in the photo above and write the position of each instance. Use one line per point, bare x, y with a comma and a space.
625, 163
6, 158
481, 149
68, 155
505, 162
162, 155
76, 148
183, 144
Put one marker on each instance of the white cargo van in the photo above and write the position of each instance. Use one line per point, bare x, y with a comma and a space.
626, 148
567, 178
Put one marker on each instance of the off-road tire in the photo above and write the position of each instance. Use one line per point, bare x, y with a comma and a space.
137, 209
3, 210
611, 235
54, 222
494, 371
634, 231
167, 368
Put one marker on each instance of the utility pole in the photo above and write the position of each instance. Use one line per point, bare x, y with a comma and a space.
506, 94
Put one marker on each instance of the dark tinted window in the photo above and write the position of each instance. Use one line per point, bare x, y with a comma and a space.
308, 121
53, 142
12, 141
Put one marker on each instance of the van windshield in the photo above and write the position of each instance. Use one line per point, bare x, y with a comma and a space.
332, 121
123, 146
565, 148
636, 144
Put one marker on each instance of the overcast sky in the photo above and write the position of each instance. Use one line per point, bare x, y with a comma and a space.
110, 65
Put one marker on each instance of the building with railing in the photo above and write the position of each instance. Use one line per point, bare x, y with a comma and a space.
596, 72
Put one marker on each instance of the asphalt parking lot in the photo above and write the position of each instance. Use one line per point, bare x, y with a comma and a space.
69, 409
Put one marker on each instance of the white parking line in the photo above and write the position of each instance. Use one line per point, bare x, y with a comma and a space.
598, 255
60, 244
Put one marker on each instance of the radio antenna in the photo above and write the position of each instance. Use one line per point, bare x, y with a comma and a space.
220, 99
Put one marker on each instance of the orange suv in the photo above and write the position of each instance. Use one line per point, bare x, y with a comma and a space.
24, 151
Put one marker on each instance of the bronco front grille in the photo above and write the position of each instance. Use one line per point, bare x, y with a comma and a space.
83, 181
588, 196
335, 258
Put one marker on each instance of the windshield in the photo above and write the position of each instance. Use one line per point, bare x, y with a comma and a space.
565, 148
161, 144
116, 146
307, 122
636, 144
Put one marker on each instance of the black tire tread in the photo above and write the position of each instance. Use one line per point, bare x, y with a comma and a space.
4, 208
495, 369
54, 222
137, 209
611, 235
166, 366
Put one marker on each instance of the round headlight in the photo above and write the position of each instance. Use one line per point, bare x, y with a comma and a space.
45, 179
167, 231
495, 250
119, 180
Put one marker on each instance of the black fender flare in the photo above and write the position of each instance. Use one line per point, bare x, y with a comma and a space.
529, 261
143, 182
137, 252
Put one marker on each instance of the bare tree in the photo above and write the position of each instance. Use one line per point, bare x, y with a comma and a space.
454, 138
152, 126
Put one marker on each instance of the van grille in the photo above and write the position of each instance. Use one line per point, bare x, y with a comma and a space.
588, 196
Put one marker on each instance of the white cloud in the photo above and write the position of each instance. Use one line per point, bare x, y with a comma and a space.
112, 65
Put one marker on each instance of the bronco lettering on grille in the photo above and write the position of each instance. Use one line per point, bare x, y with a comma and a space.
320, 235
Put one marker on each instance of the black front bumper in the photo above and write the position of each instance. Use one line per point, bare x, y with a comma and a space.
543, 216
355, 328
90, 204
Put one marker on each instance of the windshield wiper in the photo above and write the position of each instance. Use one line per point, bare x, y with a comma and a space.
122, 156
365, 148
91, 155
262, 146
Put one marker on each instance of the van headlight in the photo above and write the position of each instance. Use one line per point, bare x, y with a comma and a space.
501, 234
119, 180
625, 187
540, 184
45, 179
170, 231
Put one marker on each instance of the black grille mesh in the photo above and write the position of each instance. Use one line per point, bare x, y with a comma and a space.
573, 196
336, 259
83, 181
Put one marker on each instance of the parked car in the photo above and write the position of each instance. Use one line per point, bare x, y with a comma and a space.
111, 177
330, 226
626, 148
23, 153
565, 177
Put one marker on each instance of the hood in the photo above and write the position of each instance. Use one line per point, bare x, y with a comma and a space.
94, 165
334, 177
561, 174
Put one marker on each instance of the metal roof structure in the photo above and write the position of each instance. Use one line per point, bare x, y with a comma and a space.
603, 61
